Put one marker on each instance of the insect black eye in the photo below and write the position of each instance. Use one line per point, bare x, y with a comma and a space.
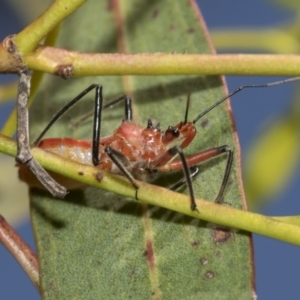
175, 132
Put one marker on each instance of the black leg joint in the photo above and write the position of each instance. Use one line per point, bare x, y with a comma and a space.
128, 109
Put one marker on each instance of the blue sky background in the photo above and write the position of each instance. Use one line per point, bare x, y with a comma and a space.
276, 263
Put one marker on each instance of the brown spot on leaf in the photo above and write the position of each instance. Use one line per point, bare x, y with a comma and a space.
195, 244
209, 275
81, 173
155, 13
221, 234
204, 261
150, 254
133, 272
230, 182
204, 123
190, 30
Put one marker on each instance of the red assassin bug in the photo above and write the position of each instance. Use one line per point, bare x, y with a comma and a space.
140, 150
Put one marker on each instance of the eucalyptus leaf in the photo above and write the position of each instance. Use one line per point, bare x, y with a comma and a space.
98, 245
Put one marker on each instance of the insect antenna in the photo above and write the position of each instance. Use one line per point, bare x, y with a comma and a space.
187, 108
270, 84
218, 150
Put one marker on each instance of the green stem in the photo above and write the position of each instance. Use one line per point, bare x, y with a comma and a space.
29, 38
209, 211
48, 59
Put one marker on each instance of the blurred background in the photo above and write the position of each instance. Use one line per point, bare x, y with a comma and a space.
260, 114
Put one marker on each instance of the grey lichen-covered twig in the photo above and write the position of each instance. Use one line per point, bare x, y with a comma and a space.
24, 155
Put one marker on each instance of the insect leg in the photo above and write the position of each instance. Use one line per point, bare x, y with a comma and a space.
225, 148
97, 125
121, 161
128, 109
163, 164
68, 106
195, 159
187, 174
194, 171
97, 121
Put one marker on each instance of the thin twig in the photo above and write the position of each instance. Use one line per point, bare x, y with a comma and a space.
24, 155
20, 251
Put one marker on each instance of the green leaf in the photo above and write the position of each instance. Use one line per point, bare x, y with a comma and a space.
96, 244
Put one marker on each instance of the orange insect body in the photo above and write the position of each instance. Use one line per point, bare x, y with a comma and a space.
144, 148
143, 151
